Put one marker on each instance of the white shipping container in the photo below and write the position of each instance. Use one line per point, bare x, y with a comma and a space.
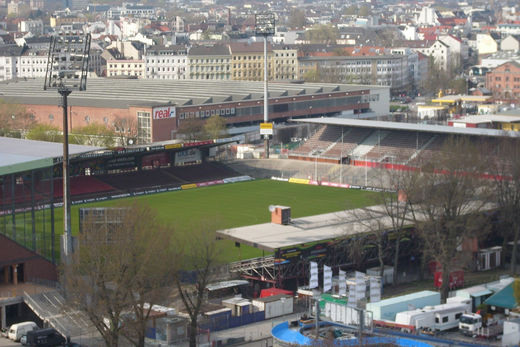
274, 306
511, 335
345, 314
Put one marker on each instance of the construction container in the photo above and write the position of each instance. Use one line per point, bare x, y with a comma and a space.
388, 308
274, 306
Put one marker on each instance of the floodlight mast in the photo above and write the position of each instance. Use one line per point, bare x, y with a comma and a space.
265, 26
67, 69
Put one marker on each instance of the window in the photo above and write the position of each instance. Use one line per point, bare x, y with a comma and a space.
445, 319
458, 315
144, 128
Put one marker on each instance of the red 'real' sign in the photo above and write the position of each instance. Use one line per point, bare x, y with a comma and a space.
164, 112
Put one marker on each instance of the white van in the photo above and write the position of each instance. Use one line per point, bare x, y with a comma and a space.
16, 331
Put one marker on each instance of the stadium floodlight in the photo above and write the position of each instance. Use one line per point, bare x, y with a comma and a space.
265, 26
67, 68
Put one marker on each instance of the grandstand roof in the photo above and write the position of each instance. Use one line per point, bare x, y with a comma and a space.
122, 93
328, 226
17, 155
430, 128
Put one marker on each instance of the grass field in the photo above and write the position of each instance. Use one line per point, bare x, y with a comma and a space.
229, 205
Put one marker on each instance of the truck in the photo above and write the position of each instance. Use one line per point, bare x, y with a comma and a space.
473, 324
435, 318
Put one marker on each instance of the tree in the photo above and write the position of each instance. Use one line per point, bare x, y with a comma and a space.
374, 230
395, 206
122, 268
297, 18
202, 256
94, 134
311, 75
459, 85
446, 201
215, 127
436, 80
45, 132
14, 117
506, 184
364, 11
351, 10
125, 129
191, 129
321, 33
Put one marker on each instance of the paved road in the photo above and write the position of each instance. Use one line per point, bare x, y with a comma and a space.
8, 343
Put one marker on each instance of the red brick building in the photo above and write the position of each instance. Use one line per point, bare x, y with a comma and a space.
504, 81
19, 264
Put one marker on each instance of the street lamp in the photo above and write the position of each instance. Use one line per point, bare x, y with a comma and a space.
265, 26
67, 68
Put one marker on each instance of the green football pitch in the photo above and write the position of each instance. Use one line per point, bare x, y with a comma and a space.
229, 205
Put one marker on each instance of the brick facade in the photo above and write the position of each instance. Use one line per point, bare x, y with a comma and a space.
504, 81
35, 266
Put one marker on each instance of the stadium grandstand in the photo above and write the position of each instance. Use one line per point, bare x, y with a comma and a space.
160, 107
31, 180
375, 143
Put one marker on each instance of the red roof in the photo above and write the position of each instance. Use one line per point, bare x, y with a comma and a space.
274, 291
452, 21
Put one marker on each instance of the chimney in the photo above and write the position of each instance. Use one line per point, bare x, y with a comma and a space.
280, 214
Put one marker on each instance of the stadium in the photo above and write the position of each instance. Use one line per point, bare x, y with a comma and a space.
185, 181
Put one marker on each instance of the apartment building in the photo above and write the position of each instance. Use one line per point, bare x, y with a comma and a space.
129, 68
58, 20
504, 80
285, 60
32, 63
9, 55
384, 70
31, 26
438, 50
166, 62
209, 62
248, 61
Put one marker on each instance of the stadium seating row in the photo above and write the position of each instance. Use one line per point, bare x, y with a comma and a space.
88, 186
400, 147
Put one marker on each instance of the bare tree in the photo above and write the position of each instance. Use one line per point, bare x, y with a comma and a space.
125, 128
191, 129
396, 207
215, 127
120, 271
373, 223
14, 117
447, 204
202, 256
506, 184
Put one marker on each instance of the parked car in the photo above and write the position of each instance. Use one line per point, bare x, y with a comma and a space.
4, 332
47, 337
16, 331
